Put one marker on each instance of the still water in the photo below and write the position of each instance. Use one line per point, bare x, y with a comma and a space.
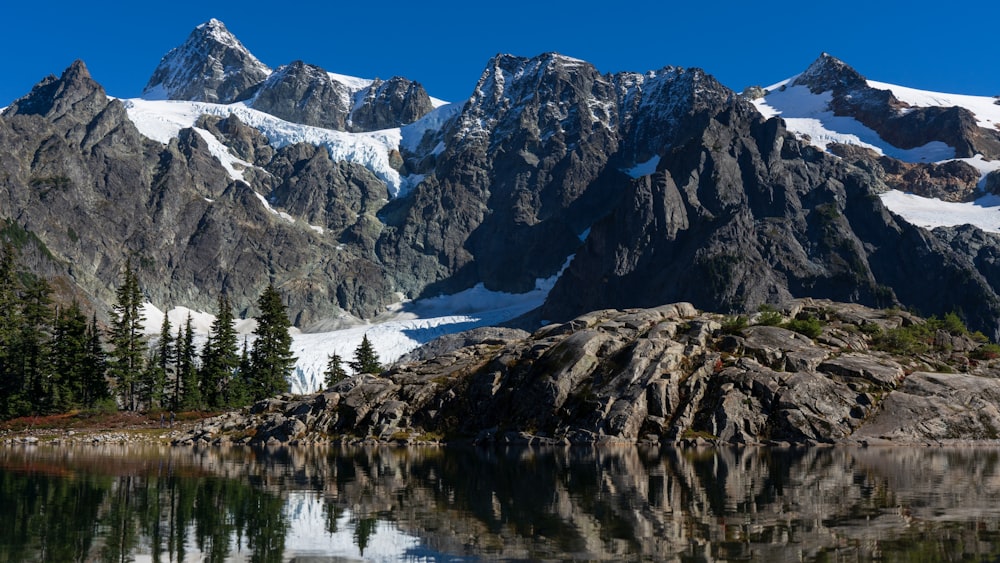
433, 504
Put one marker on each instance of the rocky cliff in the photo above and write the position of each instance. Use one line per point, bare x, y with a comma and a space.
816, 372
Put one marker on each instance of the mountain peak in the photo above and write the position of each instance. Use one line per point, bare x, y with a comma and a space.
74, 90
212, 65
828, 73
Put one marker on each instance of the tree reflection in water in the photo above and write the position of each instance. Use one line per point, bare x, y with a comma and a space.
241, 504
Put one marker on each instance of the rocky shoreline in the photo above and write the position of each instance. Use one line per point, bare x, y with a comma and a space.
670, 375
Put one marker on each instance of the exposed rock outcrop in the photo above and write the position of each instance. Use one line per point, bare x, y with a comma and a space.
669, 374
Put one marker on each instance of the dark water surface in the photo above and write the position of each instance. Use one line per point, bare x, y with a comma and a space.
128, 503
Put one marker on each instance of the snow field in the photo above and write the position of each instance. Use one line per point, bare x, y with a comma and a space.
412, 325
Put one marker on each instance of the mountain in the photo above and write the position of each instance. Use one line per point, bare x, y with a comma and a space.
355, 196
210, 66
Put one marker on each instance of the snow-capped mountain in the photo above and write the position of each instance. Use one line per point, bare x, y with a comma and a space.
366, 201
831, 106
210, 66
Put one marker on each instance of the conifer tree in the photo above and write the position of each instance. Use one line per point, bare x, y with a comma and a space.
187, 375
159, 373
69, 358
128, 347
335, 371
220, 359
35, 343
95, 383
365, 358
271, 358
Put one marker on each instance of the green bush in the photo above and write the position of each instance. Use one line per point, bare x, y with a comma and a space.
809, 326
769, 316
733, 325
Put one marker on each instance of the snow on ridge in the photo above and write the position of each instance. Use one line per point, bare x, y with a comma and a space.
222, 154
808, 114
352, 82
984, 107
929, 213
412, 134
162, 120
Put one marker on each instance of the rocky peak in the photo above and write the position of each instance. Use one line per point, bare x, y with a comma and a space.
210, 66
74, 93
392, 103
305, 93
830, 73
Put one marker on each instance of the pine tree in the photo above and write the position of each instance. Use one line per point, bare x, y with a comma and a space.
95, 383
69, 358
335, 371
187, 375
128, 348
220, 359
35, 343
271, 359
365, 358
158, 381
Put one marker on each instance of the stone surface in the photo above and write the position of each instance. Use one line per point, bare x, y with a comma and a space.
666, 375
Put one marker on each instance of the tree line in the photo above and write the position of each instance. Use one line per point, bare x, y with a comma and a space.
53, 359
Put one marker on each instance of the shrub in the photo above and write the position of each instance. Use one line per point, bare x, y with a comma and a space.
986, 352
809, 326
769, 316
733, 325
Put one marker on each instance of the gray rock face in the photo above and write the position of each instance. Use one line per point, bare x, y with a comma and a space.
210, 66
532, 161
393, 103
93, 191
303, 93
744, 214
953, 180
668, 374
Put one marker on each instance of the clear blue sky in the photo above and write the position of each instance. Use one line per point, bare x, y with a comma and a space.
445, 44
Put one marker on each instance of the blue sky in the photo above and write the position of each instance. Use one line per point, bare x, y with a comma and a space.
445, 44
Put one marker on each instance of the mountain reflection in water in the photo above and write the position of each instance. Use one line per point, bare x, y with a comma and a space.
128, 503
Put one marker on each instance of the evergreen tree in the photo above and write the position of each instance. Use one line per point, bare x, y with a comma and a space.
220, 359
128, 347
35, 342
187, 375
335, 371
95, 383
157, 379
365, 358
271, 358
69, 358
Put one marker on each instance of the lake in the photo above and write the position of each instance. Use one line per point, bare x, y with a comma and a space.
131, 503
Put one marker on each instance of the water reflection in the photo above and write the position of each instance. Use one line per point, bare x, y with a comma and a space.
163, 504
